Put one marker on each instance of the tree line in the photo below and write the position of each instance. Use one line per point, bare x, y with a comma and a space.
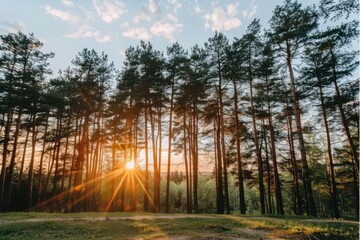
276, 108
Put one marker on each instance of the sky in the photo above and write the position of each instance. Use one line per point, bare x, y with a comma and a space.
111, 26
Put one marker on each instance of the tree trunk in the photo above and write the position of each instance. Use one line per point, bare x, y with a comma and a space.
113, 167
333, 192
57, 158
298, 210
4, 154
220, 200
32, 160
279, 200
154, 151
309, 199
10, 175
270, 208
188, 193
189, 140
195, 158
72, 168
146, 197
79, 165
242, 205
257, 149
167, 200
39, 204
222, 139
344, 121
159, 144
23, 158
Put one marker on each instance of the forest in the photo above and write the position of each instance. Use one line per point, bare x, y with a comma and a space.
273, 114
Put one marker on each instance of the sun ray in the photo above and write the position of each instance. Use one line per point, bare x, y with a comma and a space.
145, 191
107, 177
116, 191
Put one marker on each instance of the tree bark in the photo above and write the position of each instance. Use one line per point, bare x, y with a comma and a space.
279, 200
167, 200
333, 192
257, 149
242, 205
309, 199
344, 121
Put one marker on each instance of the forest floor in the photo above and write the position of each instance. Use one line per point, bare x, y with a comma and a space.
170, 226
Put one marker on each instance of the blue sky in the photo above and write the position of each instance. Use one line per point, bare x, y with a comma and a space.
67, 26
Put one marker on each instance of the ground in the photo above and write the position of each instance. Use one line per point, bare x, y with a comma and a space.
170, 226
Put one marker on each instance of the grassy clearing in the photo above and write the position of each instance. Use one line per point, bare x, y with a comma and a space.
302, 227
155, 226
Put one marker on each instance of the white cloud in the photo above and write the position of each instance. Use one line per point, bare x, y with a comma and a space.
232, 10
109, 10
171, 17
62, 15
220, 20
88, 14
153, 6
176, 4
141, 17
137, 33
67, 3
89, 32
198, 10
231, 23
247, 14
166, 30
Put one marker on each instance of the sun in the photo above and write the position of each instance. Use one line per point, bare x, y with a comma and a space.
130, 165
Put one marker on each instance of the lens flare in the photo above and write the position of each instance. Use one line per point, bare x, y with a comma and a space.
130, 165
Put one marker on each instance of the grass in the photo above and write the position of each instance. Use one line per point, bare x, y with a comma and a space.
150, 226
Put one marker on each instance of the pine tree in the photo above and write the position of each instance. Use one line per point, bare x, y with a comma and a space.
290, 27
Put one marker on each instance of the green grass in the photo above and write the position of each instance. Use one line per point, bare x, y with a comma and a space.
81, 226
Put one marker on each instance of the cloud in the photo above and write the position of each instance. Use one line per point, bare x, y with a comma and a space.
88, 14
176, 4
62, 15
140, 33
232, 10
154, 6
141, 17
220, 20
198, 10
67, 3
247, 14
166, 30
89, 32
109, 10
171, 17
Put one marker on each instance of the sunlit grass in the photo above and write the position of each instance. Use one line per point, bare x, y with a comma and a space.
293, 226
154, 226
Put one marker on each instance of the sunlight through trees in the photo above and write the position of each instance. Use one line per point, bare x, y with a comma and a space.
266, 123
